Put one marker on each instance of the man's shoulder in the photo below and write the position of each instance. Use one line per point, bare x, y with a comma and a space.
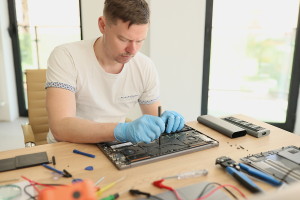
141, 55
82, 44
141, 58
142, 63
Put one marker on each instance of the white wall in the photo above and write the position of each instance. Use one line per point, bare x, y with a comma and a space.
8, 95
176, 46
91, 10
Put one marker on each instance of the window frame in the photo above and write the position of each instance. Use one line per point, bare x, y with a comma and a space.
13, 32
291, 113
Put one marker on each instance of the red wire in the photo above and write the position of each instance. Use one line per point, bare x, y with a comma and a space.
222, 186
159, 184
176, 194
34, 183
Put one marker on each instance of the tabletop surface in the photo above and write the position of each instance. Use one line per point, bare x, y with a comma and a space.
141, 177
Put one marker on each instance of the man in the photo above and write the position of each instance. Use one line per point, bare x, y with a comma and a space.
92, 85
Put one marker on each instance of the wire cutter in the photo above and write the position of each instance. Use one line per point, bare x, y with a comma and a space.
235, 169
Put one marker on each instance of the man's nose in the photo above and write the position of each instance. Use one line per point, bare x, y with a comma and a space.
131, 47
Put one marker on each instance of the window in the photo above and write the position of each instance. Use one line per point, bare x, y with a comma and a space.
250, 60
37, 26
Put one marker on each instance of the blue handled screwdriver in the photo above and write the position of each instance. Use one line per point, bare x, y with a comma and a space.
159, 114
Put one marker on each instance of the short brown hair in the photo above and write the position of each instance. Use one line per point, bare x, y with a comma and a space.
134, 11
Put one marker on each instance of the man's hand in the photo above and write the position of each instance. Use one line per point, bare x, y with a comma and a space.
173, 120
144, 129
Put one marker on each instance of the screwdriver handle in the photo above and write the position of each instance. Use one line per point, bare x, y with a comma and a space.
192, 174
243, 179
261, 175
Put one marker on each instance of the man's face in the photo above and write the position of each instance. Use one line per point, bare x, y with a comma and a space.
122, 43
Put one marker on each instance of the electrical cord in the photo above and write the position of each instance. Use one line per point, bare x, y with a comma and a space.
25, 189
222, 186
215, 183
28, 193
159, 184
200, 196
148, 195
34, 184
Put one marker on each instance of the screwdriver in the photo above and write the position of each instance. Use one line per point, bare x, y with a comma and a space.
99, 192
111, 197
191, 174
159, 114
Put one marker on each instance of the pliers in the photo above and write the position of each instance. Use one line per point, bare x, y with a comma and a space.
235, 169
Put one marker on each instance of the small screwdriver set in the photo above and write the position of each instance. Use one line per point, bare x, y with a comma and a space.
251, 129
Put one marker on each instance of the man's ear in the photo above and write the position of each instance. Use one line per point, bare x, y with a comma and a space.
102, 24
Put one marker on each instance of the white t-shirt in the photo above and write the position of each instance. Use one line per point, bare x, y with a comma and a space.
101, 96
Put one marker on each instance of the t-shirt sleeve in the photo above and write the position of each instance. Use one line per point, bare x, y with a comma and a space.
61, 71
151, 93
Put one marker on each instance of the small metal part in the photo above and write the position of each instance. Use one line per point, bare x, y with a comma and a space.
225, 161
53, 160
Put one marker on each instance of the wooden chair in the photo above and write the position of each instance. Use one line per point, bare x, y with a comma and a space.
35, 132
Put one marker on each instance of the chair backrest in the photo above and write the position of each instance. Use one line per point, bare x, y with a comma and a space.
36, 96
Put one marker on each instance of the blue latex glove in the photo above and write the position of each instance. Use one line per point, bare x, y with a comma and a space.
173, 120
144, 129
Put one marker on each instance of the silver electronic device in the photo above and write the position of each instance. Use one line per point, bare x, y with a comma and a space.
252, 129
222, 126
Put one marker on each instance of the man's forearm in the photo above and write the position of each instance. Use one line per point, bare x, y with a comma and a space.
78, 130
